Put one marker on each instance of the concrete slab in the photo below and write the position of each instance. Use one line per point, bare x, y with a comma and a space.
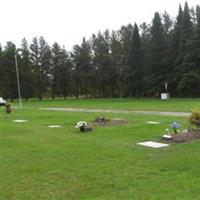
19, 120
167, 136
153, 144
152, 122
54, 126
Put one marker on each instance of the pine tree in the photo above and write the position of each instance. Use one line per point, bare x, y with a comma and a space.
81, 56
101, 61
66, 71
136, 65
9, 81
158, 72
60, 71
189, 83
146, 46
27, 76
175, 58
55, 70
117, 83
1, 73
41, 59
185, 52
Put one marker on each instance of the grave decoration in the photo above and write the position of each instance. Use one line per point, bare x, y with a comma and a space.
101, 119
186, 135
82, 125
175, 127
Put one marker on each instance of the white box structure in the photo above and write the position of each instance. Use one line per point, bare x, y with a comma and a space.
164, 96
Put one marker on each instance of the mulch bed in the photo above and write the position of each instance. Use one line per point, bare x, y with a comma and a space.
109, 122
183, 137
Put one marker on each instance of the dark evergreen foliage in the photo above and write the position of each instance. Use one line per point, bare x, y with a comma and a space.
135, 81
130, 62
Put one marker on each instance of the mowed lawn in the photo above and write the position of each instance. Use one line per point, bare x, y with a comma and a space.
57, 164
153, 104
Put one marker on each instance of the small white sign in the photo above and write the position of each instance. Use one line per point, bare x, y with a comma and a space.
152, 122
20, 121
54, 126
167, 136
153, 144
164, 96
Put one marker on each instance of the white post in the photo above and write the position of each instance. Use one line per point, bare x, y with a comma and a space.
18, 84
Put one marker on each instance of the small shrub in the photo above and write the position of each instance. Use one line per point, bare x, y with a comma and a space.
8, 108
194, 119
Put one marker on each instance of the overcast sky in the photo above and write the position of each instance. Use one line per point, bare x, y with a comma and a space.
67, 21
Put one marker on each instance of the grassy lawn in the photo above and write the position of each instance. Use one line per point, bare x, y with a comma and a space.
127, 104
58, 164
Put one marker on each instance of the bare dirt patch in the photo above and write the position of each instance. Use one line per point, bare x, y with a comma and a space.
108, 122
183, 137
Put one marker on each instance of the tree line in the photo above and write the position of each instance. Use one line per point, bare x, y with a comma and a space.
134, 61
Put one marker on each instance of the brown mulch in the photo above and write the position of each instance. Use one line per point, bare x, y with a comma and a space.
110, 122
183, 137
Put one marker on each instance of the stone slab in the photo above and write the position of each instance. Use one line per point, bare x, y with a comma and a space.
152, 122
54, 126
19, 120
153, 144
167, 136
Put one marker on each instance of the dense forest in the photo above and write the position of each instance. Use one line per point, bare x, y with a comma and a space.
134, 61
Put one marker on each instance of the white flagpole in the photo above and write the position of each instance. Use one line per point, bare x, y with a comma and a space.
18, 84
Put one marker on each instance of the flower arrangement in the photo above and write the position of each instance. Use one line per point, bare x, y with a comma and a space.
82, 125
175, 127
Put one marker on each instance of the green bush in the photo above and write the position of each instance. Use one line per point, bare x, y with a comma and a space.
194, 119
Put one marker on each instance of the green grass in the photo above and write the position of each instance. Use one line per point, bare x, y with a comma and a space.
127, 104
58, 164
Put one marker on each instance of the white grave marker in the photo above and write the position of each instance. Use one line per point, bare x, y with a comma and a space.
152, 122
20, 121
54, 126
153, 144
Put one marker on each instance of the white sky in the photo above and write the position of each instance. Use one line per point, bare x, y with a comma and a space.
67, 21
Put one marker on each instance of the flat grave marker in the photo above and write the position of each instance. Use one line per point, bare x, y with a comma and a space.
54, 126
153, 144
152, 122
19, 120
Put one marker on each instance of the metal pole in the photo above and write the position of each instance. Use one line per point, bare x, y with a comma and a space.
18, 84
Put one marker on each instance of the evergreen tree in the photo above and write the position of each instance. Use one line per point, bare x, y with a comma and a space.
146, 46
185, 49
117, 82
9, 81
101, 61
175, 58
56, 70
66, 71
158, 74
189, 83
1, 72
41, 59
60, 71
136, 65
35, 60
26, 71
81, 56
